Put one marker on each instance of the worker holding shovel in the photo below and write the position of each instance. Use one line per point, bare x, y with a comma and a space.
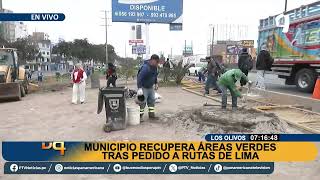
228, 81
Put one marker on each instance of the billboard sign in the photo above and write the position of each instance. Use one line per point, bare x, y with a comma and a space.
175, 26
147, 11
203, 60
234, 49
136, 41
247, 43
139, 49
188, 51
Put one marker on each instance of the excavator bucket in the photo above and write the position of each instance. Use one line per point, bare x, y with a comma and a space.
10, 91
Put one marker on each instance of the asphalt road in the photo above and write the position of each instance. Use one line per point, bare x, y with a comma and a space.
273, 83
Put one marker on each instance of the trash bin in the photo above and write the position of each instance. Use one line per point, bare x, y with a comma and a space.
113, 99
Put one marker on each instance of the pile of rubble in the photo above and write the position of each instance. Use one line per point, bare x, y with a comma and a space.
215, 120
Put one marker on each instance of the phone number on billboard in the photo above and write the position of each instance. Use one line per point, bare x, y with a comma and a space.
141, 14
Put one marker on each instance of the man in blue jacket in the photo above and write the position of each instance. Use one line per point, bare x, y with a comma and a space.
147, 82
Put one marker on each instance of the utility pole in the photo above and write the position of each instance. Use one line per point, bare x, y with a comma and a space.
106, 24
125, 49
192, 48
147, 40
185, 47
217, 31
212, 41
106, 29
285, 5
211, 26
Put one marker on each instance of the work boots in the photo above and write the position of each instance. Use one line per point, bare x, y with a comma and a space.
152, 116
141, 114
141, 118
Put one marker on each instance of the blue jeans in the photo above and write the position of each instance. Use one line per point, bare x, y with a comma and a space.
201, 77
149, 99
225, 95
212, 82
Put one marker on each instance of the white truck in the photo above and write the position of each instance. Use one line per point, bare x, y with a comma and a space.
197, 63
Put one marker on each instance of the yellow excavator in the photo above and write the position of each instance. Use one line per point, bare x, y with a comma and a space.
13, 80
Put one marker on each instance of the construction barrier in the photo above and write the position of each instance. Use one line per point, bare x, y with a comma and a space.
316, 91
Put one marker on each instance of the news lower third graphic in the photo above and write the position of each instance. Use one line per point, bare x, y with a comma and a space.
32, 17
219, 154
263, 137
137, 168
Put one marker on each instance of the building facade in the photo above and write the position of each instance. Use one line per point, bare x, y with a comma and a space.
7, 28
44, 56
229, 50
21, 30
42, 61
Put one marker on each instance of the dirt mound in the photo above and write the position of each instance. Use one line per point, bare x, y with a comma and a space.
215, 120
54, 87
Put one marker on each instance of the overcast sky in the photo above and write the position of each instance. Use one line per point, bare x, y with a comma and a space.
84, 20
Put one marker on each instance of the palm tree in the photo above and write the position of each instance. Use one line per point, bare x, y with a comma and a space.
179, 71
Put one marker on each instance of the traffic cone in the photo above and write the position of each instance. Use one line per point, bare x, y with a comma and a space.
316, 91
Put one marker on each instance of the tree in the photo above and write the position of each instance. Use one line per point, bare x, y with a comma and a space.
97, 53
80, 48
27, 50
63, 48
179, 71
112, 55
128, 67
83, 50
3, 42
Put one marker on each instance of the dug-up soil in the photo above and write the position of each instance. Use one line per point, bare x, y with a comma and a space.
214, 120
50, 84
